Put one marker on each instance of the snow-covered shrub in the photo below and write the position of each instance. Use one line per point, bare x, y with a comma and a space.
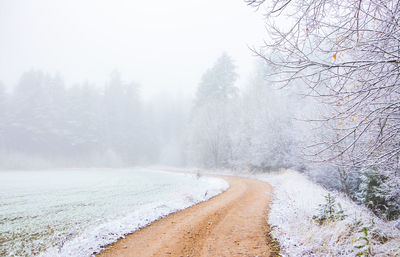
380, 193
329, 211
296, 200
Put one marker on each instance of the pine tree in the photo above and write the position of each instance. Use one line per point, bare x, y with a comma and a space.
210, 133
380, 193
218, 83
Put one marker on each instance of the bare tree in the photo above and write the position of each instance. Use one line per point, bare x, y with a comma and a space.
347, 53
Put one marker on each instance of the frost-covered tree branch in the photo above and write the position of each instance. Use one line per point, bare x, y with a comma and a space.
347, 53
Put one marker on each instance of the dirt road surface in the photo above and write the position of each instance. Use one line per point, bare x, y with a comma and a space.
230, 224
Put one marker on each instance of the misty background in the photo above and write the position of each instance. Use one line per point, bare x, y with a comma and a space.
104, 83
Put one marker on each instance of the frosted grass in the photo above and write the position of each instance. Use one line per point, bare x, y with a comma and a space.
76, 212
296, 200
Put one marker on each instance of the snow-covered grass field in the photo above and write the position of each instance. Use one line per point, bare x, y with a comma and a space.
76, 212
296, 200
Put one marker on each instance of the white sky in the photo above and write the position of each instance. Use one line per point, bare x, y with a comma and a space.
163, 45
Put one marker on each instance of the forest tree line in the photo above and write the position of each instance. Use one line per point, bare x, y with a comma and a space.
44, 122
47, 123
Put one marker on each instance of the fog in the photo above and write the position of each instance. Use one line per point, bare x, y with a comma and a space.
165, 46
112, 83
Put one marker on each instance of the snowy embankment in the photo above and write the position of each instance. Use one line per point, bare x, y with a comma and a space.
77, 212
296, 200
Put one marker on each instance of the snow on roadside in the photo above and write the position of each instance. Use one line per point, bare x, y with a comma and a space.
93, 240
296, 200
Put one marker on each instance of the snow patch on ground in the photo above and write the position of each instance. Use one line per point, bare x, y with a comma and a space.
296, 200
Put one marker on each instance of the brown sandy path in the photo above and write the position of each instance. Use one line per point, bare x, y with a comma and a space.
230, 224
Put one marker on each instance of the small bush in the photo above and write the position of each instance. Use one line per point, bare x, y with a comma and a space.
363, 242
379, 193
329, 211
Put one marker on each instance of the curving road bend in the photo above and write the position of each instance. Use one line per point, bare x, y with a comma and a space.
230, 224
